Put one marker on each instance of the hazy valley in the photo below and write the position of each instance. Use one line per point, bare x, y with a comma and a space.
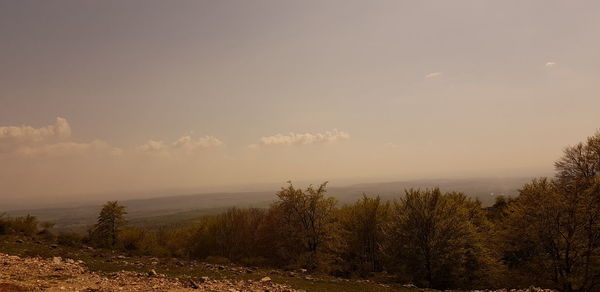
160, 211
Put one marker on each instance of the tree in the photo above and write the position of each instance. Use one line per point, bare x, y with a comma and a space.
234, 234
499, 210
110, 222
363, 226
439, 239
306, 225
554, 225
579, 167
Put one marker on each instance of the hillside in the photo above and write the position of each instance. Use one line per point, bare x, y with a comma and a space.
27, 265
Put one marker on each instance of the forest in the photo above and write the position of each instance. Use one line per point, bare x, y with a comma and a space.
548, 235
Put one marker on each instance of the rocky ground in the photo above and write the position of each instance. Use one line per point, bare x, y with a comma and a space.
31, 265
57, 274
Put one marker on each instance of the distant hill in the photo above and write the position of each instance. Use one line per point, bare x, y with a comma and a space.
163, 210
484, 189
173, 209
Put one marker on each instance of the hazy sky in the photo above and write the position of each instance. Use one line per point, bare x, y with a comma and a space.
111, 96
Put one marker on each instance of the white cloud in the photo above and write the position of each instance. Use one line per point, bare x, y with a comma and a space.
48, 141
204, 142
13, 137
433, 75
302, 139
54, 141
550, 64
185, 143
68, 149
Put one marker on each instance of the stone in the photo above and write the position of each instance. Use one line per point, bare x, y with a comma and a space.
194, 285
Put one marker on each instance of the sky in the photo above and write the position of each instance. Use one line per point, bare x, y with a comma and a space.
128, 97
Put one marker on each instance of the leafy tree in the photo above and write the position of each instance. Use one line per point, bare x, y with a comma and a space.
110, 222
579, 167
439, 239
499, 210
306, 225
176, 240
234, 234
554, 225
363, 226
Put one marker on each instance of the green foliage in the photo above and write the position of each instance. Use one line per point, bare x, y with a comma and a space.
363, 228
438, 239
555, 233
176, 240
499, 210
235, 234
136, 239
552, 229
306, 226
297, 231
110, 222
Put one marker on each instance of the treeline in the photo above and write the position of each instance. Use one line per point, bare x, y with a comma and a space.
548, 235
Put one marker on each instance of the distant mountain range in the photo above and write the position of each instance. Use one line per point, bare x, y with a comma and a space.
173, 209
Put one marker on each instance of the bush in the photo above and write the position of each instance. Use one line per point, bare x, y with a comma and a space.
70, 239
236, 234
26, 225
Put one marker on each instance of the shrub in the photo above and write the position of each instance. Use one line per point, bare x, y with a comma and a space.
25, 225
70, 239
